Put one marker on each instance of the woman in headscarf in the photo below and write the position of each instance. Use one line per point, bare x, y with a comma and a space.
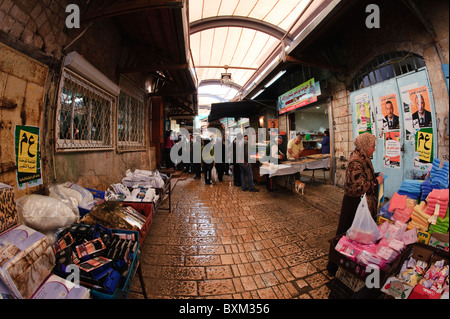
360, 179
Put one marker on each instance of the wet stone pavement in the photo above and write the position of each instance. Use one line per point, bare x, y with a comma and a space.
221, 242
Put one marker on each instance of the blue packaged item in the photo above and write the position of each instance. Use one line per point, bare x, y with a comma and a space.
111, 281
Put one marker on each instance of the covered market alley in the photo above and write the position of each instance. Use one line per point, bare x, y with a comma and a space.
97, 98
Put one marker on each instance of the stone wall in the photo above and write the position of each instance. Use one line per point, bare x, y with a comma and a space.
397, 33
33, 37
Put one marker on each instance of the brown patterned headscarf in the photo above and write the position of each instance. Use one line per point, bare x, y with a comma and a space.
365, 141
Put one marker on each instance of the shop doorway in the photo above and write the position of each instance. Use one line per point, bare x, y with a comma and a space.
406, 143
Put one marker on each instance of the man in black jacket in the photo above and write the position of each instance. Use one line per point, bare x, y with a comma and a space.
391, 119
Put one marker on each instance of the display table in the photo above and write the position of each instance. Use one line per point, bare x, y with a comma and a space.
292, 167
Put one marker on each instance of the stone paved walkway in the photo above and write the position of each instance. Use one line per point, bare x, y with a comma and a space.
221, 242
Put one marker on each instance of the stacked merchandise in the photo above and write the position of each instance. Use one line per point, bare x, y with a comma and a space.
144, 178
419, 217
437, 202
138, 193
113, 214
26, 257
438, 178
439, 174
441, 225
392, 240
402, 207
423, 274
103, 256
422, 204
410, 188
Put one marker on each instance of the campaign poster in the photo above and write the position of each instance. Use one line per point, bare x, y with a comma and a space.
424, 146
28, 156
392, 149
407, 114
390, 113
420, 108
362, 102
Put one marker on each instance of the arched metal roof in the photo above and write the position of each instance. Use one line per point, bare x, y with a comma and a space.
242, 36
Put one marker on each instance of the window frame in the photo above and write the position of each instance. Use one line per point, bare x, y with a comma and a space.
132, 91
84, 145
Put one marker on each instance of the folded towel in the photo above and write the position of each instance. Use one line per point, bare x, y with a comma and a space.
397, 202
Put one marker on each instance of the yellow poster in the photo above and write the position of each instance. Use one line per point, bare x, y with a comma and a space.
27, 157
424, 145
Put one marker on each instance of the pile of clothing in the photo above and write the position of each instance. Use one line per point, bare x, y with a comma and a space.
438, 178
441, 225
439, 175
402, 207
411, 188
437, 197
419, 217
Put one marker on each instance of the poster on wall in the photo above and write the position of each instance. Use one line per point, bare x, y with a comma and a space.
392, 149
362, 102
407, 114
390, 113
421, 112
424, 146
28, 156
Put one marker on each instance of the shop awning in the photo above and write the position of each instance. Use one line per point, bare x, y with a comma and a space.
246, 108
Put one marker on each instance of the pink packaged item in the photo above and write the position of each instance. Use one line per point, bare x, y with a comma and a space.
410, 236
396, 245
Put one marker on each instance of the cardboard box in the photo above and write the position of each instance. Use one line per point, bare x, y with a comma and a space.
26, 259
439, 241
8, 211
55, 287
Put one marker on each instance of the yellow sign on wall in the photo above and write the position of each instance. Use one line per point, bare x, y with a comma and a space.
424, 145
27, 159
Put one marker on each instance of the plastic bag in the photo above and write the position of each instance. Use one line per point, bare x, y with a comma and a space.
73, 195
44, 213
364, 230
214, 176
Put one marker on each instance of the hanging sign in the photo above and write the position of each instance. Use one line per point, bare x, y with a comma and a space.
424, 145
28, 157
304, 94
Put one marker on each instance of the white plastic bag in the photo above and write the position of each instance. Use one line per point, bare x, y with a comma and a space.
214, 176
364, 229
73, 195
44, 213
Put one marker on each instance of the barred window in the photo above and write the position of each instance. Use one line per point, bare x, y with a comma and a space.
84, 115
130, 118
385, 67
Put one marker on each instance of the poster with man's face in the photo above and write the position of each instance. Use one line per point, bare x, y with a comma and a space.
389, 109
420, 107
272, 123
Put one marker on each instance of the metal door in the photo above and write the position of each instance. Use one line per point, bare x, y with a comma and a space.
395, 155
